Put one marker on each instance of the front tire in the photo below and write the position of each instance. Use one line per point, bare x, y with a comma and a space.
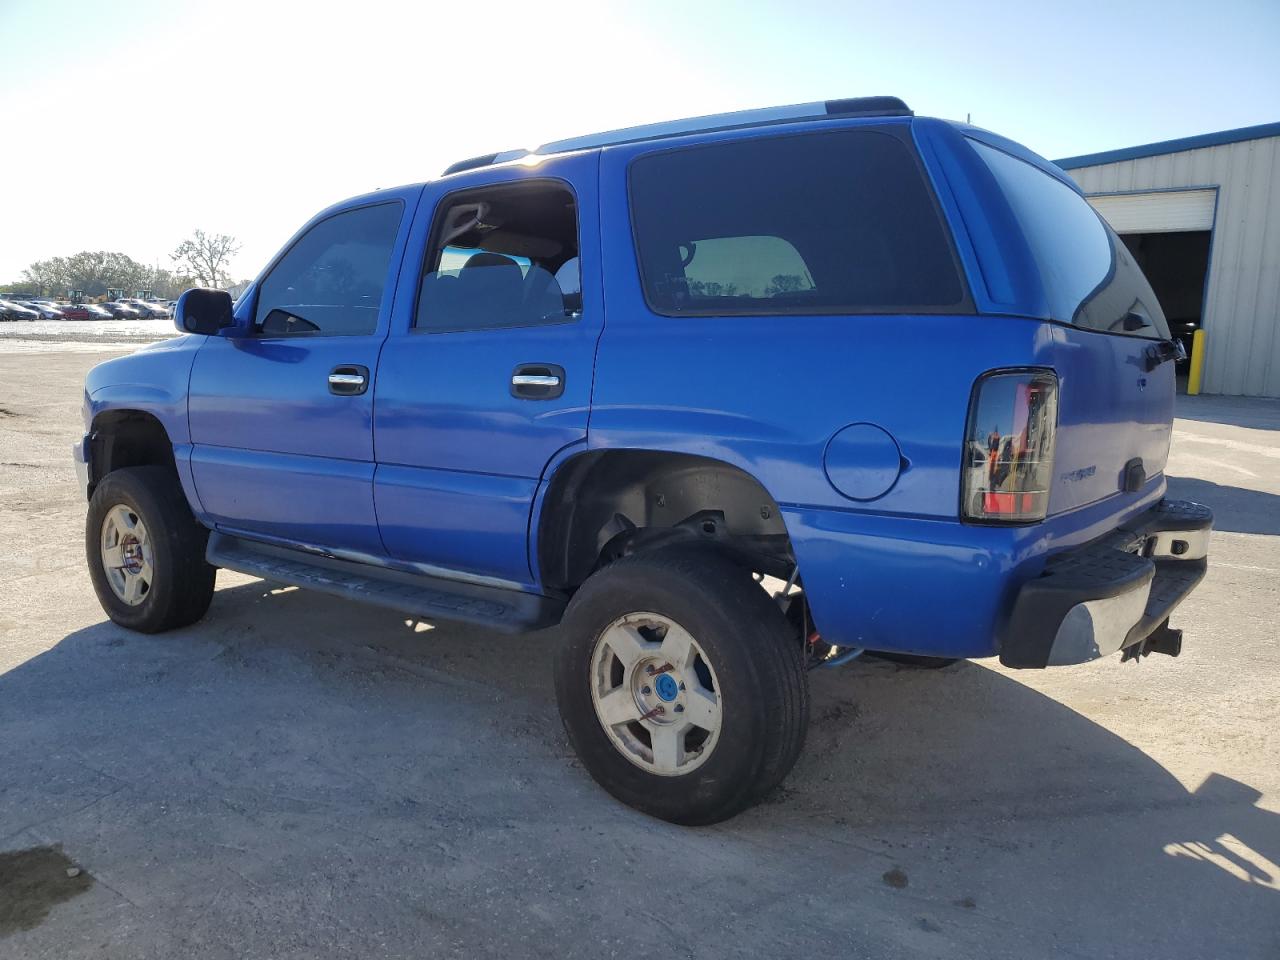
679, 685
146, 551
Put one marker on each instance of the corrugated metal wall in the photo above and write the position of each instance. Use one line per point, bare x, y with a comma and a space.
1242, 306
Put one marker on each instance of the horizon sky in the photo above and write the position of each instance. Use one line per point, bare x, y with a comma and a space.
130, 124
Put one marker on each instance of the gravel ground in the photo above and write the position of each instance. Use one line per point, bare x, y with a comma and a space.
300, 777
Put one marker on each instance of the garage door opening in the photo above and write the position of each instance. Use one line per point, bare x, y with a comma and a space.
1176, 265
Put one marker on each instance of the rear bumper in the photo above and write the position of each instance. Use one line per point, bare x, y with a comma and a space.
1113, 594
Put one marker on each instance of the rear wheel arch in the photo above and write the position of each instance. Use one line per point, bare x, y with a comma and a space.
604, 501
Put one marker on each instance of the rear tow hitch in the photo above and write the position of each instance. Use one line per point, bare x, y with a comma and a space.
1163, 639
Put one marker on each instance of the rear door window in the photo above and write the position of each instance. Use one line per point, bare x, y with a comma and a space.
502, 256
1090, 278
834, 222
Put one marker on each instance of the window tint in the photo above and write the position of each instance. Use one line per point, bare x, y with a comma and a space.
838, 222
1090, 278
331, 281
504, 256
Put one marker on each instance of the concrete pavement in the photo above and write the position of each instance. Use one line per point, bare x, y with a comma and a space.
300, 777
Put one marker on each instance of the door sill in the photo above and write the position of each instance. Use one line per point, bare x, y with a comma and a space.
420, 595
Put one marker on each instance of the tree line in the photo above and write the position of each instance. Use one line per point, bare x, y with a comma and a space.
202, 260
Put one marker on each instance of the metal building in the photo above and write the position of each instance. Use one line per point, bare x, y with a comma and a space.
1202, 217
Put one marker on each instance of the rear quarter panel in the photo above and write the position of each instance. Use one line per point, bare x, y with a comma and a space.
1111, 408
767, 394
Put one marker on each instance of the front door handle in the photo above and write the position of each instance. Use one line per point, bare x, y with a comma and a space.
537, 381
349, 380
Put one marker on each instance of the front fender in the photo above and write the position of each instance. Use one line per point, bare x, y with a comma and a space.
153, 380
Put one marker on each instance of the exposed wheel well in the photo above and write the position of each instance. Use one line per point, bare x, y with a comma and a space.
127, 438
607, 504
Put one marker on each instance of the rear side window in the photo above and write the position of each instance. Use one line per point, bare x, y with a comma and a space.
331, 281
1090, 278
839, 222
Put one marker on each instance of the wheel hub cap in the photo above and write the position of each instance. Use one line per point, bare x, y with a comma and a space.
131, 551
655, 694
667, 687
126, 554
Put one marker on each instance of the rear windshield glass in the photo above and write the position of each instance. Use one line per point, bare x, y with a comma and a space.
1090, 278
838, 222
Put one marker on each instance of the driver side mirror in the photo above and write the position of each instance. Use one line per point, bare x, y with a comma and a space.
203, 311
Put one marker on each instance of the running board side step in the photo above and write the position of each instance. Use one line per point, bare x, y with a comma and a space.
420, 595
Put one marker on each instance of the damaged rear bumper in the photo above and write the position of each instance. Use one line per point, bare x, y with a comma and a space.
1113, 594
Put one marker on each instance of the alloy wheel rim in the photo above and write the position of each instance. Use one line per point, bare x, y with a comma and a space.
127, 556
655, 694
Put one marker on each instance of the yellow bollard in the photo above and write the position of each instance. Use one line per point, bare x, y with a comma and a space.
1197, 363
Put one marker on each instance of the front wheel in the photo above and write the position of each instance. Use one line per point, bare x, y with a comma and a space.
680, 685
146, 551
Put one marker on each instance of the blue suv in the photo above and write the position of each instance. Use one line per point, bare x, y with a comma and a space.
728, 399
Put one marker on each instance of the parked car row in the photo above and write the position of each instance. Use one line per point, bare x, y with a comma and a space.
86, 311
11, 310
129, 308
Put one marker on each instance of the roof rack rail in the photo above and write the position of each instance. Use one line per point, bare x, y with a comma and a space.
822, 109
473, 163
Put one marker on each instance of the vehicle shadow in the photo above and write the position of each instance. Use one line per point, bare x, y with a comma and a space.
1235, 509
345, 762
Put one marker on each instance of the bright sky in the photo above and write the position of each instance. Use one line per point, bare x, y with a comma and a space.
126, 124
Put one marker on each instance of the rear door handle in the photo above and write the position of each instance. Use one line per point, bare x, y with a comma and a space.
349, 380
537, 381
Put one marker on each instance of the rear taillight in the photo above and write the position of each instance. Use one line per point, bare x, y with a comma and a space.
1008, 465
